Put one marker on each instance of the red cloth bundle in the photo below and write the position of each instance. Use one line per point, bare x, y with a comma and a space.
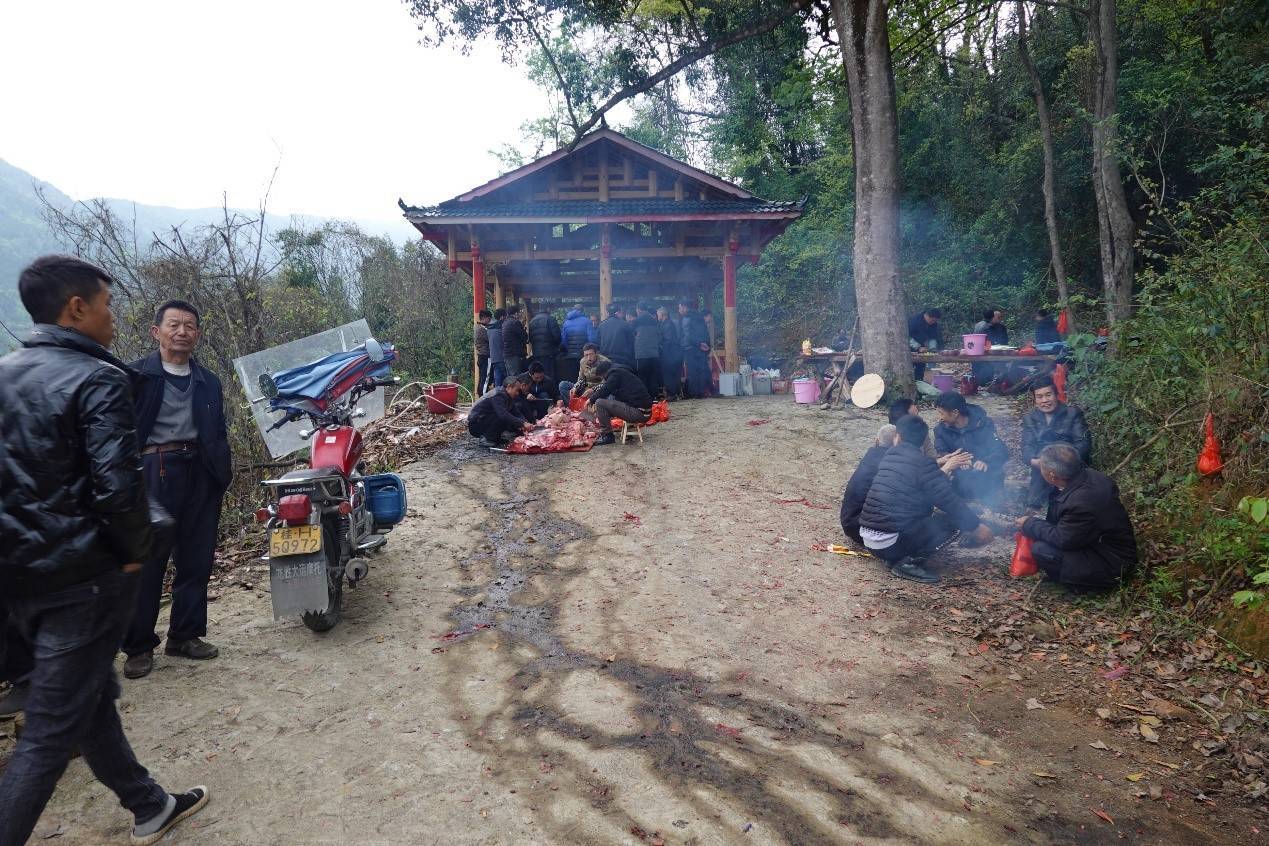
1023, 563
1209, 460
1059, 382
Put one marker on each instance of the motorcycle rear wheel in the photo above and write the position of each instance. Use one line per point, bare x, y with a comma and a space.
324, 621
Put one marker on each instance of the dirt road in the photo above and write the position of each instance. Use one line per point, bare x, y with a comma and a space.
635, 645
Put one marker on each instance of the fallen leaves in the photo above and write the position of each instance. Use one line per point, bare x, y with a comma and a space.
1107, 817
1034, 704
1147, 734
1097, 744
985, 762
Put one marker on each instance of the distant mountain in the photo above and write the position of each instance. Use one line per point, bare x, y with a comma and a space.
24, 235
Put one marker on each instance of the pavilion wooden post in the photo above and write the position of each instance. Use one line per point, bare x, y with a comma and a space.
500, 293
605, 272
477, 302
729, 306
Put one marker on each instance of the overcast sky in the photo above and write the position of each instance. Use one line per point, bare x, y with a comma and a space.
171, 102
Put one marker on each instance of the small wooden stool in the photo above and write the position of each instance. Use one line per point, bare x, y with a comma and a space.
626, 427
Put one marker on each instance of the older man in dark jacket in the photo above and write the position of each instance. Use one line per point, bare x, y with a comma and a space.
74, 527
694, 342
856, 492
966, 427
1086, 540
671, 354
185, 456
574, 335
898, 523
544, 338
622, 395
1050, 422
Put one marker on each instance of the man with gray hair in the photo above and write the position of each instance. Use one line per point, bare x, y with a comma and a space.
1086, 541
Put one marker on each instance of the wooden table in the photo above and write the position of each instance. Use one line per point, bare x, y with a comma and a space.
935, 358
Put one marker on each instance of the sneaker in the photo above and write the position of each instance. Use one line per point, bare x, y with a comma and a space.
605, 439
138, 666
178, 808
195, 648
913, 571
14, 702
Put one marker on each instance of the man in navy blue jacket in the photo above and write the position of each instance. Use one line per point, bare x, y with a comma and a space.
185, 452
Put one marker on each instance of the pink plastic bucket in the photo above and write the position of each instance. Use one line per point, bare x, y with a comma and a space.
805, 391
441, 397
975, 344
943, 381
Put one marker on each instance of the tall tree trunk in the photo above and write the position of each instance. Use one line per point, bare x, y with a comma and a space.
1115, 226
1046, 141
864, 35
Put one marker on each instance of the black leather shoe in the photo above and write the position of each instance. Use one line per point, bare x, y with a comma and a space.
606, 438
195, 648
913, 571
138, 666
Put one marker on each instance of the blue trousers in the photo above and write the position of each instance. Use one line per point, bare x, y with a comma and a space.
498, 372
182, 486
75, 633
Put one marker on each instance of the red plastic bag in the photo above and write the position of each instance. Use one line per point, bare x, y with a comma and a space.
1023, 563
1064, 323
660, 413
1059, 382
577, 403
1209, 460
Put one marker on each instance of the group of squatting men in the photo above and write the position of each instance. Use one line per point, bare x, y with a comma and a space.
910, 495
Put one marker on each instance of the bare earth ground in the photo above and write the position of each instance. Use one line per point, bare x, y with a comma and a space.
635, 645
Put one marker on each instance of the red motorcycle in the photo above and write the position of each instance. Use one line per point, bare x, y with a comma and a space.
326, 519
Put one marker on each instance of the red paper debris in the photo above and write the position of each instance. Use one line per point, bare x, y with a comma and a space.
762, 422
632, 518
457, 633
730, 731
1116, 673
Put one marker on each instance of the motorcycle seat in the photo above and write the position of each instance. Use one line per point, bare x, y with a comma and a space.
312, 473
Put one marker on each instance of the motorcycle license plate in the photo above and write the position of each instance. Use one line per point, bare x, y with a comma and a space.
295, 540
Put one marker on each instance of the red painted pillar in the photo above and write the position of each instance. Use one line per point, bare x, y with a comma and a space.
729, 307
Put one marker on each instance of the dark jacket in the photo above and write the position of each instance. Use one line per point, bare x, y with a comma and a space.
624, 385
857, 489
616, 340
494, 332
544, 335
647, 337
514, 338
922, 332
671, 348
907, 488
997, 333
497, 406
482, 339
547, 389
1046, 331
72, 496
1066, 426
977, 438
693, 332
576, 333
209, 413
1087, 521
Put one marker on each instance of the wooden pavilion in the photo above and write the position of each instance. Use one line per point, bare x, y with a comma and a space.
609, 220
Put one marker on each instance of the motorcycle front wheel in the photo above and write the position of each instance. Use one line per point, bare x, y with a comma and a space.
324, 621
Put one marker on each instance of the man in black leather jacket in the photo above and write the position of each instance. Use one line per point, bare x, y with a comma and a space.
74, 527
1050, 422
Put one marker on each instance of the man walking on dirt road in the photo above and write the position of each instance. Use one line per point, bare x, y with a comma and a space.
185, 456
74, 525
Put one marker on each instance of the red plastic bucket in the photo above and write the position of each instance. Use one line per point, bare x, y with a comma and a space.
442, 398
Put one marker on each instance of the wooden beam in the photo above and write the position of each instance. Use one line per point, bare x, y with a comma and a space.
678, 189
628, 171
652, 182
500, 293
603, 176
729, 304
679, 249
605, 271
450, 252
